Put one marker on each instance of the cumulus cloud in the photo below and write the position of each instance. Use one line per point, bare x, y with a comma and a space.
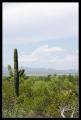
53, 49
67, 61
39, 54
41, 23
27, 58
42, 57
46, 50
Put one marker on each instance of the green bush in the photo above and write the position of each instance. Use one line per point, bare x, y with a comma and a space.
40, 96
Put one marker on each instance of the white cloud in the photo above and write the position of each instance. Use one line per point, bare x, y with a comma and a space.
45, 49
27, 58
18, 12
33, 22
67, 61
53, 60
25, 23
40, 57
71, 58
39, 54
53, 49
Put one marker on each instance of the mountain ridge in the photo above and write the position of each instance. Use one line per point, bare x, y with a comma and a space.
45, 71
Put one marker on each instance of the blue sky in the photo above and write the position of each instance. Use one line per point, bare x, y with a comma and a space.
45, 34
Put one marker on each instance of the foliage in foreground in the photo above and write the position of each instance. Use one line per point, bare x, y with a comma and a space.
45, 96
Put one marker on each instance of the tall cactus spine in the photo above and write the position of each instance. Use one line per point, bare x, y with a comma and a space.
16, 75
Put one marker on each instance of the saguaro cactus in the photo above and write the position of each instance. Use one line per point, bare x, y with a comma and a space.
16, 75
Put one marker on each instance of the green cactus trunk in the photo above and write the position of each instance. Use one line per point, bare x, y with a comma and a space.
16, 75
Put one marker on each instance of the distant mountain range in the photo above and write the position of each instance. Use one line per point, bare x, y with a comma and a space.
42, 71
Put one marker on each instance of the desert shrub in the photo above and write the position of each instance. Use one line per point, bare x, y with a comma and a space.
38, 95
52, 110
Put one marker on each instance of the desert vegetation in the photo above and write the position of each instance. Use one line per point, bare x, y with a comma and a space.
53, 96
40, 96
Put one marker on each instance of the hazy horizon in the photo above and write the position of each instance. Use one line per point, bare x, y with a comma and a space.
45, 34
37, 68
